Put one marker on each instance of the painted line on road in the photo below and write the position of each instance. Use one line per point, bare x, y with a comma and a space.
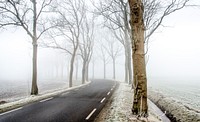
46, 99
103, 100
88, 117
11, 111
108, 93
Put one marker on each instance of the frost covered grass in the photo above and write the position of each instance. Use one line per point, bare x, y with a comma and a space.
186, 92
15, 90
29, 99
175, 110
179, 98
118, 109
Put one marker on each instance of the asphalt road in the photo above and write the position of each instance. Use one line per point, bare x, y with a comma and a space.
79, 105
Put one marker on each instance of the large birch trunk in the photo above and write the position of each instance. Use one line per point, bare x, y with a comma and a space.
140, 81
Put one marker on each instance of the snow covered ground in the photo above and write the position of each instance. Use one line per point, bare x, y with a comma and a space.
180, 98
118, 109
15, 90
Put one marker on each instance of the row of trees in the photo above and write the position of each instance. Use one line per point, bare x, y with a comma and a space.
68, 25
133, 22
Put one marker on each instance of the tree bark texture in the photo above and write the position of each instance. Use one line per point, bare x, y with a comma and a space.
140, 81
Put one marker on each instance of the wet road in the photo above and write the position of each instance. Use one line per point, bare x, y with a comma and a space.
79, 105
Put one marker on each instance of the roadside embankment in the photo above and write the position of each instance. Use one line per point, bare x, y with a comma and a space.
175, 110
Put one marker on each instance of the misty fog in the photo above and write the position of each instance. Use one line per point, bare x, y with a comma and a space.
173, 55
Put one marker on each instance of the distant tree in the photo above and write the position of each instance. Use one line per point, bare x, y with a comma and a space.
93, 66
113, 50
104, 57
86, 46
116, 19
66, 36
34, 17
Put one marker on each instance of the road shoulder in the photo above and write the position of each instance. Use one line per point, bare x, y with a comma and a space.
118, 108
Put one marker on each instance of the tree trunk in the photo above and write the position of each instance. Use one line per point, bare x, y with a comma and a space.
114, 69
84, 72
104, 68
34, 89
140, 81
126, 68
129, 64
93, 69
77, 69
128, 55
87, 71
71, 70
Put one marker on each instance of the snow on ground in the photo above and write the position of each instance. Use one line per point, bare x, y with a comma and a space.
118, 109
15, 90
174, 109
29, 99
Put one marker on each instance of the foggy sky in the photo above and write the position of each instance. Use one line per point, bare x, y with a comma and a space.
173, 52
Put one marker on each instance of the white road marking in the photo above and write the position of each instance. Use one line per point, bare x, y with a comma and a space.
111, 89
46, 99
11, 111
108, 93
103, 100
88, 117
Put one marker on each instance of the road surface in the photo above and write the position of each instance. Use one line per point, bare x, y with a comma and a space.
79, 105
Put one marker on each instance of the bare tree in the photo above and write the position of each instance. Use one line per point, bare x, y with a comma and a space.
113, 49
86, 46
67, 35
104, 57
32, 17
153, 13
116, 19
144, 20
